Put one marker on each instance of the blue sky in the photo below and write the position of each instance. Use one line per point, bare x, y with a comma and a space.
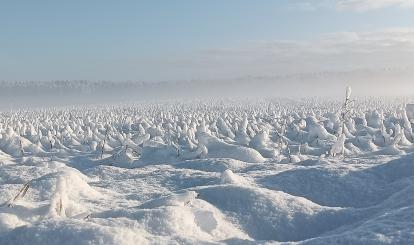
194, 39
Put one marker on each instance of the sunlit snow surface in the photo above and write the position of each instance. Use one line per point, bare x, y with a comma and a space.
208, 173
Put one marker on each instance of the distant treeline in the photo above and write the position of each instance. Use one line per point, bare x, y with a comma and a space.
68, 86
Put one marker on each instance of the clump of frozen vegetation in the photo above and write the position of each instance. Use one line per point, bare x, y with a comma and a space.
209, 172
132, 136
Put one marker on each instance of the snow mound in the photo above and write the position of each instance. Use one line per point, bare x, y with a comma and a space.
390, 150
57, 194
273, 215
66, 180
180, 215
158, 154
51, 232
391, 227
70, 188
219, 149
181, 199
124, 158
344, 186
10, 221
212, 165
228, 177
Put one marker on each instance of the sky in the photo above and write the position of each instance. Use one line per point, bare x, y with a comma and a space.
160, 40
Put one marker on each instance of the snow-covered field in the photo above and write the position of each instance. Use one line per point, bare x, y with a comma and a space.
215, 172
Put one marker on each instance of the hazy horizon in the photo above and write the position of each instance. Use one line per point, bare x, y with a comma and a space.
215, 40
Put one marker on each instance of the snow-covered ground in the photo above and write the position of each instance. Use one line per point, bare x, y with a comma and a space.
262, 172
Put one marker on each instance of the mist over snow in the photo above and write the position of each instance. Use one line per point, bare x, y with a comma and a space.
374, 83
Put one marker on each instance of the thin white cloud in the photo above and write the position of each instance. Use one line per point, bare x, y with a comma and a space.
310, 5
330, 52
306, 5
364, 5
349, 5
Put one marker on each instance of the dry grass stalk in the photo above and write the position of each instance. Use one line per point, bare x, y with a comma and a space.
22, 192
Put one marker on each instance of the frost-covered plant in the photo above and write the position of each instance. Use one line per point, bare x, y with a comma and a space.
269, 128
339, 146
346, 109
22, 192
